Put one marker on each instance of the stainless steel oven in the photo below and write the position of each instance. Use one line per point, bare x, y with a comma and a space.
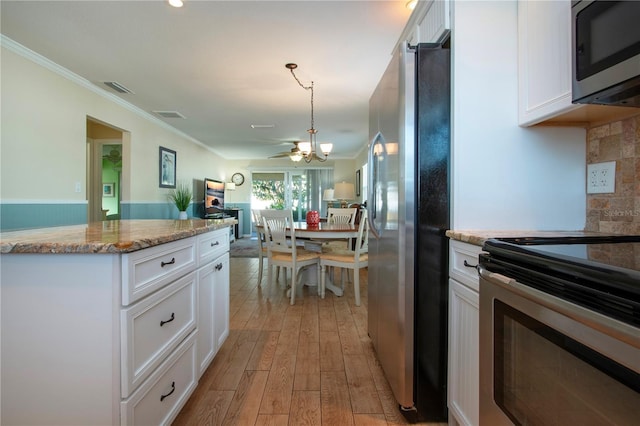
559, 335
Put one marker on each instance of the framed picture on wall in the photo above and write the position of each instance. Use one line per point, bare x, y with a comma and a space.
358, 183
108, 190
167, 168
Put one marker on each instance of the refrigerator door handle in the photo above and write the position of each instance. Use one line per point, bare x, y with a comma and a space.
375, 158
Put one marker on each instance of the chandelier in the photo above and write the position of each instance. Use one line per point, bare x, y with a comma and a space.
308, 150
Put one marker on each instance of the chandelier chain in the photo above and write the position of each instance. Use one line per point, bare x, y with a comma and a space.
306, 88
311, 154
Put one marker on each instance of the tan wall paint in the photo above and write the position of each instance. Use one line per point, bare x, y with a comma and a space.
44, 131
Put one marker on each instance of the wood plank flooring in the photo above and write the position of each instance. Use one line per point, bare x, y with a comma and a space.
307, 364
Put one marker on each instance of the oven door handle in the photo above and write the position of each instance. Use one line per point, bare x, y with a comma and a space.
600, 322
494, 277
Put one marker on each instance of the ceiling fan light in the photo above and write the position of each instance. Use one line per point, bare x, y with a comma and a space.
176, 3
326, 148
305, 147
296, 157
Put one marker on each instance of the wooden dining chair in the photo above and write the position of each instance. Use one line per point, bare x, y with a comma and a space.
348, 259
262, 246
282, 250
341, 215
338, 215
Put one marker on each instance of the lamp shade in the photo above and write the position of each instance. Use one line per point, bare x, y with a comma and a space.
328, 195
345, 191
230, 186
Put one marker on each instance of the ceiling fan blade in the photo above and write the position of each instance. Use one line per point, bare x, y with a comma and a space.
293, 151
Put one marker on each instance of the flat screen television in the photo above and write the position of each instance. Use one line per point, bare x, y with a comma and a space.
213, 198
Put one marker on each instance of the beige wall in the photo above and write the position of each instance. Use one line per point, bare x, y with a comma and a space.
44, 131
618, 212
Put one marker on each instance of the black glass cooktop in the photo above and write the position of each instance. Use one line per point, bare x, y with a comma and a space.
602, 273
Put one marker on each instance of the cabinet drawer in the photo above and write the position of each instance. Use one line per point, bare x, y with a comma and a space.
159, 399
145, 271
152, 328
463, 259
212, 244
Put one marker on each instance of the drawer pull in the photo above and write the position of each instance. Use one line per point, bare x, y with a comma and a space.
173, 316
217, 243
173, 389
218, 266
468, 265
163, 264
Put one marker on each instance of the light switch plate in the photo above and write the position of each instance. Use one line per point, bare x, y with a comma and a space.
601, 178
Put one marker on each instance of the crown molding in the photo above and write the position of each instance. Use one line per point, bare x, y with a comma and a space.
37, 58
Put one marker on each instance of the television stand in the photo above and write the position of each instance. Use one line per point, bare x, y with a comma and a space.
237, 214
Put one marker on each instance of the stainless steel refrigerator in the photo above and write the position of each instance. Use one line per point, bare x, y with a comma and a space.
408, 207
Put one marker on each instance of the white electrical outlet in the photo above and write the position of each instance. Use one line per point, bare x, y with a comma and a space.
601, 178
78, 187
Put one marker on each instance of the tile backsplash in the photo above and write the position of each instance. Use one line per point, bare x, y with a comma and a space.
617, 212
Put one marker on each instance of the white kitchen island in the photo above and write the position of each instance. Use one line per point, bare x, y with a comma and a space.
111, 322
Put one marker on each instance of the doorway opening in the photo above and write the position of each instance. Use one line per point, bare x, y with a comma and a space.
105, 159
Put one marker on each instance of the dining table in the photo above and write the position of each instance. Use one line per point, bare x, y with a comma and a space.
319, 234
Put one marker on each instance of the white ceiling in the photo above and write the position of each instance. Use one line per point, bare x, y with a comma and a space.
221, 64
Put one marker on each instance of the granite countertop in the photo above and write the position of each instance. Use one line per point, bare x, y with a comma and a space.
478, 237
112, 236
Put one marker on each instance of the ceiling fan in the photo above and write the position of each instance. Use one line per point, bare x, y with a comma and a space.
295, 151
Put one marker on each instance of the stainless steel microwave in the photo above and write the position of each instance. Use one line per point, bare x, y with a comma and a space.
606, 52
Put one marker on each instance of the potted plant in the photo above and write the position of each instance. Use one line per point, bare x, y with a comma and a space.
181, 197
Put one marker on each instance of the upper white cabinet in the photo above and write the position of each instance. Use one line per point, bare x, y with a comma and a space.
544, 60
429, 22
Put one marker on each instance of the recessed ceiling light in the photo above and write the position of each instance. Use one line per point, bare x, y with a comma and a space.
263, 126
176, 3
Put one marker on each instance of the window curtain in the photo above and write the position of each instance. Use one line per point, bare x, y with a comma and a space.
317, 181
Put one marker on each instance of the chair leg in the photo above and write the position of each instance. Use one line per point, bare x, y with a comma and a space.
260, 266
318, 278
323, 277
293, 285
356, 285
270, 277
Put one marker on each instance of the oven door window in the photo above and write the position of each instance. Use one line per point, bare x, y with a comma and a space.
542, 377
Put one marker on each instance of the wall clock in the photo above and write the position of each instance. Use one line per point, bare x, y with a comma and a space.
237, 178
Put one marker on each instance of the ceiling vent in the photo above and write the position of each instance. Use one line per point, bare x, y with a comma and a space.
169, 114
114, 85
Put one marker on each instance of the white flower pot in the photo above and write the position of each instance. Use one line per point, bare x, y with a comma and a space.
183, 215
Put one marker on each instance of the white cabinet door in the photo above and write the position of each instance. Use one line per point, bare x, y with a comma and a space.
213, 310
430, 22
206, 347
544, 60
463, 353
221, 299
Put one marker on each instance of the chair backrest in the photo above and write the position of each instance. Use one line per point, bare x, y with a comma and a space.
362, 242
257, 221
337, 215
279, 231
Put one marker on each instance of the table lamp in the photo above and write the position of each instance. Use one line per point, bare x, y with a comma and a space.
345, 191
329, 197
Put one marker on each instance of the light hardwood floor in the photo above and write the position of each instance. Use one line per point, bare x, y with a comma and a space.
308, 364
